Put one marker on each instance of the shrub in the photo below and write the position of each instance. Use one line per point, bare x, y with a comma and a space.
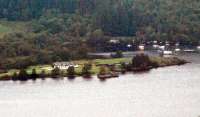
86, 70
112, 67
141, 60
71, 71
128, 66
125, 67
42, 74
102, 70
55, 73
154, 64
23, 76
15, 76
34, 75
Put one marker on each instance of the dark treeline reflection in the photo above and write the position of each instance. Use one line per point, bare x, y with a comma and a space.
55, 74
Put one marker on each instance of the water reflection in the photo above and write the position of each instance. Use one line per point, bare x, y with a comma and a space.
71, 79
88, 78
23, 82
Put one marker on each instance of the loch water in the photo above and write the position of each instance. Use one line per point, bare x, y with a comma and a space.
163, 92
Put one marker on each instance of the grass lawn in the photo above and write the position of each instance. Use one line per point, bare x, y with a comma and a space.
112, 61
95, 68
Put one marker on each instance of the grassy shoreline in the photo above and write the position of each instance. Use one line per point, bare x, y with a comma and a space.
96, 63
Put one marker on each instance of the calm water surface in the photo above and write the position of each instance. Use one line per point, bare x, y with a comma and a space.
164, 92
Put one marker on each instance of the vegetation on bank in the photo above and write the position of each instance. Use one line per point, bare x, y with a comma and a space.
99, 66
44, 31
96, 63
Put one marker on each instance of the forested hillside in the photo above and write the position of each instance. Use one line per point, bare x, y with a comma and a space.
116, 17
56, 30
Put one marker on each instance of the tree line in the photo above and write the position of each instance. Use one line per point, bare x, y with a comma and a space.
160, 18
55, 73
61, 30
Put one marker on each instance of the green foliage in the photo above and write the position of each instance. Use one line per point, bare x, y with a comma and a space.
86, 70
114, 17
43, 74
62, 30
15, 76
141, 60
71, 71
55, 72
34, 74
103, 70
23, 75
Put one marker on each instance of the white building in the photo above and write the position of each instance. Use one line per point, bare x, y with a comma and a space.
114, 41
64, 65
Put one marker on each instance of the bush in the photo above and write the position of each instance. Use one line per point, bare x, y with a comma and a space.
141, 60
154, 64
86, 70
15, 76
103, 70
123, 65
34, 75
126, 66
71, 71
55, 72
23, 76
42, 74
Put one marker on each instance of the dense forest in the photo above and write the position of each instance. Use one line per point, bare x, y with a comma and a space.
60, 30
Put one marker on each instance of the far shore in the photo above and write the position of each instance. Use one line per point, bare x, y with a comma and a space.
96, 66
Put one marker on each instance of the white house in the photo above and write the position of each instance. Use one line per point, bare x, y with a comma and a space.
64, 65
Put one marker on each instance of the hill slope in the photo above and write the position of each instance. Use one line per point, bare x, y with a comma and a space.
12, 26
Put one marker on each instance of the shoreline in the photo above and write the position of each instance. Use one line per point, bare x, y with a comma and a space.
97, 63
